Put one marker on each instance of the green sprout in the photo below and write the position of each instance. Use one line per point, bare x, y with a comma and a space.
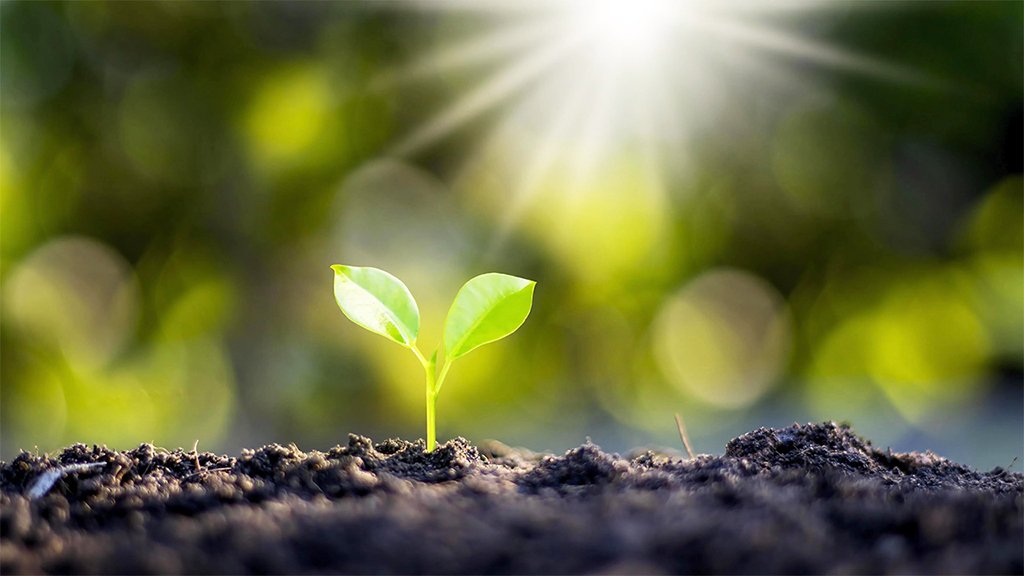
487, 308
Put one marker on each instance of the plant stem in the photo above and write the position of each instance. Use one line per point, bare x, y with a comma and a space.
428, 369
434, 381
441, 376
430, 373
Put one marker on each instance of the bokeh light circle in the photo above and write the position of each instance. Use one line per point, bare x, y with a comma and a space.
724, 338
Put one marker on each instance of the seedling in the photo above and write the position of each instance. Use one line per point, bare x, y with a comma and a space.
487, 308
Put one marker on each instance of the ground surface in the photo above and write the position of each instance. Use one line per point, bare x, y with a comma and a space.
804, 499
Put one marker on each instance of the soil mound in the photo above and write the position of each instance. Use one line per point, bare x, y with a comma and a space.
802, 499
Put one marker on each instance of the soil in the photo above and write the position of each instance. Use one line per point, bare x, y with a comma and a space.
803, 499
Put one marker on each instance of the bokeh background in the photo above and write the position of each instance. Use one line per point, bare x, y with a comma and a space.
747, 215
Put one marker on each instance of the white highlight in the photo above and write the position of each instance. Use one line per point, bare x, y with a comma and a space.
625, 30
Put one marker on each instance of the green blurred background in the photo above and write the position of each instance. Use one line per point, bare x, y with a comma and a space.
806, 214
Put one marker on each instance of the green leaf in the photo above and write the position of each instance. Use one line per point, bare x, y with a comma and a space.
487, 308
377, 301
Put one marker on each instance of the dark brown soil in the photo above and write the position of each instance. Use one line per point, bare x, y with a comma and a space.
804, 499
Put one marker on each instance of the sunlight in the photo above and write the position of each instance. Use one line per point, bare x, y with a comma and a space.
585, 82
627, 30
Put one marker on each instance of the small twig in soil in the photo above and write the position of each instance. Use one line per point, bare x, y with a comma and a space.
683, 435
47, 479
201, 472
195, 455
1012, 463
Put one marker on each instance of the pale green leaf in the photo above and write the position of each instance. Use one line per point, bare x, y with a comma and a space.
377, 301
487, 308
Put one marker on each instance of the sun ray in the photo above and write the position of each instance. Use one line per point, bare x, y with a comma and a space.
476, 51
540, 162
805, 49
494, 91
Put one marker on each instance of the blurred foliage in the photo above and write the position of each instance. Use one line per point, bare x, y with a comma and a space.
176, 178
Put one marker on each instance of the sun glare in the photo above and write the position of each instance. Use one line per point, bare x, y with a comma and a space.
628, 31
578, 82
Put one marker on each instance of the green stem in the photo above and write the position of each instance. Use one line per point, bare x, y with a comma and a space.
429, 371
431, 412
434, 384
441, 376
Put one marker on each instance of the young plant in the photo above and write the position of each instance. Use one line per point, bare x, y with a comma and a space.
487, 308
